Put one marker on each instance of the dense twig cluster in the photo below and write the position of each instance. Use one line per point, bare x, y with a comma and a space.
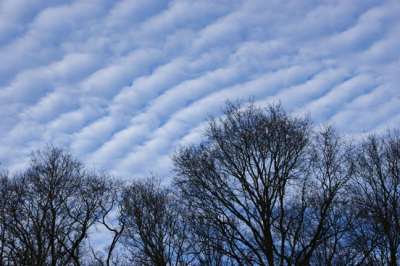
262, 188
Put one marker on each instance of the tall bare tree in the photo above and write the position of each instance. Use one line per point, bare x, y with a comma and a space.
155, 231
262, 188
377, 194
7, 203
237, 179
270, 189
325, 215
55, 203
113, 219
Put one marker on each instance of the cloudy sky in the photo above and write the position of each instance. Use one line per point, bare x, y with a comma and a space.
123, 83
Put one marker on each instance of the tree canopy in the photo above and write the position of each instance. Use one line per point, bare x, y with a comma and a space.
263, 187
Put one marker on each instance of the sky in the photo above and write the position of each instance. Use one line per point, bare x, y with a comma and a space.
123, 83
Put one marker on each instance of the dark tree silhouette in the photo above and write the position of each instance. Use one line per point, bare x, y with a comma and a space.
263, 187
267, 186
54, 203
376, 192
155, 231
8, 202
326, 216
238, 177
113, 219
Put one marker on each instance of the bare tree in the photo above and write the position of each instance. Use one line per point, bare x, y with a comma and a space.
113, 219
325, 216
376, 192
56, 201
262, 188
4, 234
155, 233
237, 179
206, 241
271, 190
7, 202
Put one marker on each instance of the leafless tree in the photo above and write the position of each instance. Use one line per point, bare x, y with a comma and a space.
155, 233
376, 192
262, 188
55, 203
326, 215
113, 219
4, 180
270, 188
237, 178
206, 241
7, 202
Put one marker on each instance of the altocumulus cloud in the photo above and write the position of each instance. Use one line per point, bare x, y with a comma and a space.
123, 83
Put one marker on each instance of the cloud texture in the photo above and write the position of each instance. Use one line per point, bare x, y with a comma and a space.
123, 83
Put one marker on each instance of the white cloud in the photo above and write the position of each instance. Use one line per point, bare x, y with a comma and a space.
124, 82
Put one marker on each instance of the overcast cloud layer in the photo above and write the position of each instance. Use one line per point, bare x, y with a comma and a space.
123, 83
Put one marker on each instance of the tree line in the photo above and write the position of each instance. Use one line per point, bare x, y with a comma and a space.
263, 187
